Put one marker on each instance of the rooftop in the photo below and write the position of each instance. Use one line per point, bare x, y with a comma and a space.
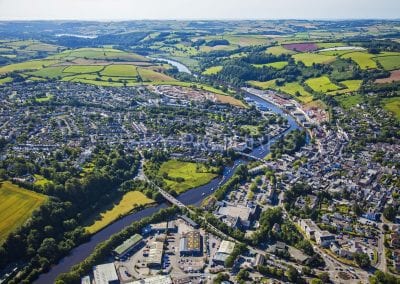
127, 244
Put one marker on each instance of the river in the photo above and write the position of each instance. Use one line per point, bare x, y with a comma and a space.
192, 197
178, 65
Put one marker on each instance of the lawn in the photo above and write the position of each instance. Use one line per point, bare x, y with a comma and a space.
129, 202
313, 58
193, 175
363, 59
392, 105
16, 206
322, 84
389, 62
120, 71
47, 98
212, 70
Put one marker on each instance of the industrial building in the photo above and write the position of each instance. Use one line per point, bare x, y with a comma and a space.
159, 279
224, 250
155, 253
127, 246
105, 274
190, 244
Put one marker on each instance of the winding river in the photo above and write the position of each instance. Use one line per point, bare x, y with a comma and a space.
192, 197
178, 65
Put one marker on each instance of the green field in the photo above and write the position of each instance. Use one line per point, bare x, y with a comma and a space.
48, 72
120, 71
129, 202
296, 91
351, 86
47, 98
150, 75
363, 59
392, 105
313, 58
41, 180
263, 85
5, 80
77, 69
212, 70
193, 175
322, 84
277, 65
16, 206
28, 65
389, 62
348, 101
278, 50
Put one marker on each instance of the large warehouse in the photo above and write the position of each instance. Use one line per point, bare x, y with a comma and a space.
190, 244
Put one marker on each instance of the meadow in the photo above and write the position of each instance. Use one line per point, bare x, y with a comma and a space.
321, 84
392, 105
129, 202
351, 86
193, 175
313, 58
349, 101
363, 59
276, 65
16, 206
212, 70
278, 50
389, 62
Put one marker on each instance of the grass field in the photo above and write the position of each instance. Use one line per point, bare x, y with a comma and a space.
150, 75
278, 50
322, 84
5, 80
389, 62
392, 105
348, 101
16, 206
294, 88
193, 174
28, 65
41, 180
351, 86
313, 58
277, 65
212, 70
119, 71
263, 85
363, 59
47, 98
127, 204
77, 69
230, 100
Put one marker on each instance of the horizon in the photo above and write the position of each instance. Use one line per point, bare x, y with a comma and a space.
189, 10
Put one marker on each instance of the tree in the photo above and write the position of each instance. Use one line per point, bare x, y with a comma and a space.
292, 274
324, 276
362, 260
48, 249
390, 212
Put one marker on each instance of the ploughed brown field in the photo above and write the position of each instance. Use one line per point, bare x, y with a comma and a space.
301, 47
394, 76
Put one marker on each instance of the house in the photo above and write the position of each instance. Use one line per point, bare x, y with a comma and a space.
309, 227
324, 238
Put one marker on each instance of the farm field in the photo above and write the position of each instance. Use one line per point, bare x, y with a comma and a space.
348, 101
301, 47
5, 80
119, 71
192, 175
351, 86
392, 105
16, 206
278, 50
296, 91
263, 85
389, 62
322, 84
313, 58
129, 202
212, 70
364, 60
229, 100
394, 76
28, 65
277, 65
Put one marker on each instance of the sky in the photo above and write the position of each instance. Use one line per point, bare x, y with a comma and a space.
197, 9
